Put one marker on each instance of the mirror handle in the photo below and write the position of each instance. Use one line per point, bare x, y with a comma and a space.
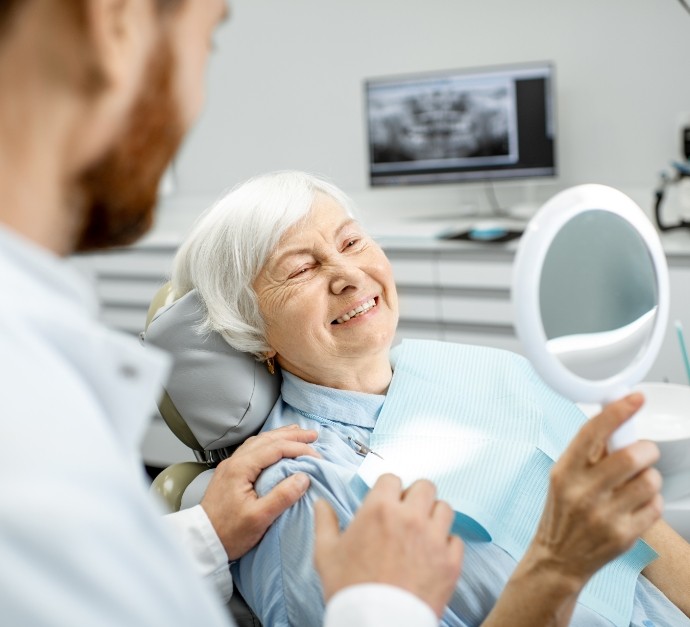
626, 434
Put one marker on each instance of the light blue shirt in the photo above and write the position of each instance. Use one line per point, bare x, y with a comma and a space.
278, 579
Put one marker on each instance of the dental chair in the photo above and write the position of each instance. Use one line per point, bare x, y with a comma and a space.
216, 397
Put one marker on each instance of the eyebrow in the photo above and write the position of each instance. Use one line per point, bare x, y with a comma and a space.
290, 252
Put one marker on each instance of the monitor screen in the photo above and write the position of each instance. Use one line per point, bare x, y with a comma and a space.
461, 125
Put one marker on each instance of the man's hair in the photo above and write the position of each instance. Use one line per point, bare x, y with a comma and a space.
166, 5
8, 8
74, 62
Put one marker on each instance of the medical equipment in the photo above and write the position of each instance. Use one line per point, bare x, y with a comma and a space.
462, 125
216, 397
683, 349
362, 449
681, 171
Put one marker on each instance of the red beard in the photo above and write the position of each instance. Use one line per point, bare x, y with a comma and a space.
118, 194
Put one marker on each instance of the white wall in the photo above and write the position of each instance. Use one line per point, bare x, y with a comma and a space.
285, 90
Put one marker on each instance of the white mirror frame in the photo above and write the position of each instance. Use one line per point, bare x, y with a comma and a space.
532, 250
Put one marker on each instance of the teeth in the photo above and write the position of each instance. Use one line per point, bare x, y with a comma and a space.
357, 311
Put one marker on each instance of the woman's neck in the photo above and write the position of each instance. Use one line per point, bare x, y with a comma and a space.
371, 375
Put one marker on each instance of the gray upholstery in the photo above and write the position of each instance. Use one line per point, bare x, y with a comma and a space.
223, 395
215, 398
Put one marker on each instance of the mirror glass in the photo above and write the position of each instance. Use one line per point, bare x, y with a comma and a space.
590, 295
598, 295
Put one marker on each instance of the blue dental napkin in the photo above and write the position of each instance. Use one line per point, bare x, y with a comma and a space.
482, 426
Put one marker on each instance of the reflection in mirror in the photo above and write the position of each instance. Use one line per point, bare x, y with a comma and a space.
598, 295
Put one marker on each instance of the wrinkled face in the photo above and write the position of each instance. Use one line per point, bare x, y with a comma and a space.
327, 294
117, 195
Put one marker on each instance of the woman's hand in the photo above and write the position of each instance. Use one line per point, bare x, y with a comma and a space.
397, 537
598, 503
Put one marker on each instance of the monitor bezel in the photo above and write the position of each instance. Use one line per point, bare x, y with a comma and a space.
466, 176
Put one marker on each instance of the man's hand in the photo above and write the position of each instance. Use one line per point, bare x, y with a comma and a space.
599, 503
399, 538
237, 513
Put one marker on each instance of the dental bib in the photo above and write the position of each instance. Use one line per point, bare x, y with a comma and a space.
482, 426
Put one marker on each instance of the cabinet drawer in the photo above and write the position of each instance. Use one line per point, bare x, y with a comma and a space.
417, 331
128, 319
418, 304
127, 292
413, 269
492, 308
472, 274
154, 264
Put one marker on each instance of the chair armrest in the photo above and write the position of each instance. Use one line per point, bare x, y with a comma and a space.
172, 481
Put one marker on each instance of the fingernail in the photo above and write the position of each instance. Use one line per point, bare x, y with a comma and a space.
302, 481
636, 397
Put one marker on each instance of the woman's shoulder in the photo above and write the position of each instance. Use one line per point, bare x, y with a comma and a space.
327, 478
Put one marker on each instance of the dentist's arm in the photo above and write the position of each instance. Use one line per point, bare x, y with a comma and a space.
598, 505
232, 518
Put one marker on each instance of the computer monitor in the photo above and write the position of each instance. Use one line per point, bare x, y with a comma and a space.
461, 125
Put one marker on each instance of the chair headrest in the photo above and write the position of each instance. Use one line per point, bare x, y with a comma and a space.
222, 395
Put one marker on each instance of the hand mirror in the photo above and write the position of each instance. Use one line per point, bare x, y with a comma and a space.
590, 294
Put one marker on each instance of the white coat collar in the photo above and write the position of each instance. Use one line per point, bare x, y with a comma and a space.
60, 308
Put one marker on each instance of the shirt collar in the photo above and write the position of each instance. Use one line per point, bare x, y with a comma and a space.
123, 375
40, 269
344, 406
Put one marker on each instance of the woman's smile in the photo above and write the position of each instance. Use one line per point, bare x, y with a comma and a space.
358, 311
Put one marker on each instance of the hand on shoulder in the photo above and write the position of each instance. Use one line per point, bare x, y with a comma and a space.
238, 514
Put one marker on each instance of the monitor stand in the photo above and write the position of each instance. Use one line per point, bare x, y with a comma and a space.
524, 211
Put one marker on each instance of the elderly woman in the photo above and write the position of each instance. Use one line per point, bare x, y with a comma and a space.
286, 272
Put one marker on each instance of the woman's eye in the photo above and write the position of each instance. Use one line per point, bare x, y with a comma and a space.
299, 272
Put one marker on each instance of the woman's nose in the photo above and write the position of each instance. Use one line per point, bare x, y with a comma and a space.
345, 276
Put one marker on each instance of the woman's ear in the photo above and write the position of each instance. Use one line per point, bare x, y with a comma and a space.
270, 354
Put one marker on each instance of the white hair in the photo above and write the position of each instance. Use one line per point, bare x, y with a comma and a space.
230, 243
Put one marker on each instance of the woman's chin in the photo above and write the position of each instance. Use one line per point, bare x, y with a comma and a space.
366, 344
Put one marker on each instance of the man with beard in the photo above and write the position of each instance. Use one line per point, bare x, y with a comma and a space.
95, 97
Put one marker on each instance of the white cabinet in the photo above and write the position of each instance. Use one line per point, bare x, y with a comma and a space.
458, 292
126, 280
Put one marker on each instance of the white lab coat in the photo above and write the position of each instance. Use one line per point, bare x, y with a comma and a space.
80, 541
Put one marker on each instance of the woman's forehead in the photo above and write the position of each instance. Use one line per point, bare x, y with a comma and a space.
326, 216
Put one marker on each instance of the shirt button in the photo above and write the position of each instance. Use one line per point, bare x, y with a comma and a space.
128, 371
